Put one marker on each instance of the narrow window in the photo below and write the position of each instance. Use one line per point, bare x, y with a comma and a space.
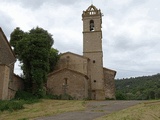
67, 57
94, 61
65, 81
91, 25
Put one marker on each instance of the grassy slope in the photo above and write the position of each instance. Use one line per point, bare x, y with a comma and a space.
44, 108
144, 111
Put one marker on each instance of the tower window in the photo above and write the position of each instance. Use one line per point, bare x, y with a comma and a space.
94, 61
95, 81
91, 25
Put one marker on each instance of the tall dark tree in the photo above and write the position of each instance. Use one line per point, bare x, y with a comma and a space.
53, 58
33, 49
16, 36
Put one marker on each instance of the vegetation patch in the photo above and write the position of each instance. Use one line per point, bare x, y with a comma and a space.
145, 111
21, 98
11, 105
138, 88
43, 108
34, 50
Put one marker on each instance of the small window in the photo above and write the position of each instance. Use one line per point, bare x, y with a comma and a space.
94, 61
91, 25
95, 81
65, 81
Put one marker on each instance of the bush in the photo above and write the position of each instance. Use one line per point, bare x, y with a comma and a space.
11, 105
55, 97
21, 98
26, 97
59, 97
120, 96
23, 95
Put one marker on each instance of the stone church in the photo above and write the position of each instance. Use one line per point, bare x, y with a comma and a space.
83, 76
80, 76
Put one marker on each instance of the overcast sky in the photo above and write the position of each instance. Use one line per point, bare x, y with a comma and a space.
131, 29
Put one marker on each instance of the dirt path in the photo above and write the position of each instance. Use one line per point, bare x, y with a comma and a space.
93, 110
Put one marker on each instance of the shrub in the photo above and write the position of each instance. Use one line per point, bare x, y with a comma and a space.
23, 95
26, 97
120, 96
11, 105
50, 96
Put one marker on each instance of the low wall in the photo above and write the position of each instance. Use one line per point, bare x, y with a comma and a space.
14, 85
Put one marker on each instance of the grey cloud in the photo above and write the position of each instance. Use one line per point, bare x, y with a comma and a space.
132, 58
66, 2
130, 54
35, 4
6, 23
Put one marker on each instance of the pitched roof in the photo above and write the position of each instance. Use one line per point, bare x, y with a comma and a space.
74, 54
113, 71
1, 31
57, 71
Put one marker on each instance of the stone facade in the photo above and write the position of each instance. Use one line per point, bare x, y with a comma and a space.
109, 83
67, 81
7, 56
80, 76
8, 79
4, 80
14, 85
74, 62
83, 76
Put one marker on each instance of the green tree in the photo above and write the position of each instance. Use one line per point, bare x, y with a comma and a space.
16, 36
139, 88
53, 58
120, 96
33, 49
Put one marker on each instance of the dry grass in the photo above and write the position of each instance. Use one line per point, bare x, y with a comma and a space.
44, 108
144, 111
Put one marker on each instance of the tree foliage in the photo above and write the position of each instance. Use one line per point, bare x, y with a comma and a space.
33, 49
139, 88
53, 58
15, 37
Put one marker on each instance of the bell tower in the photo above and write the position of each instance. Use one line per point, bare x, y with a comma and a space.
92, 49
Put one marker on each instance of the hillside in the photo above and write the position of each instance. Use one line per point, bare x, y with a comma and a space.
138, 88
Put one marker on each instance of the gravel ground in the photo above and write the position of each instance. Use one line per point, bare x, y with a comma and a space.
93, 110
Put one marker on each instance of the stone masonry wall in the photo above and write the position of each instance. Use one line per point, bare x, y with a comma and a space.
6, 56
73, 62
14, 85
4, 79
9, 83
69, 82
109, 84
